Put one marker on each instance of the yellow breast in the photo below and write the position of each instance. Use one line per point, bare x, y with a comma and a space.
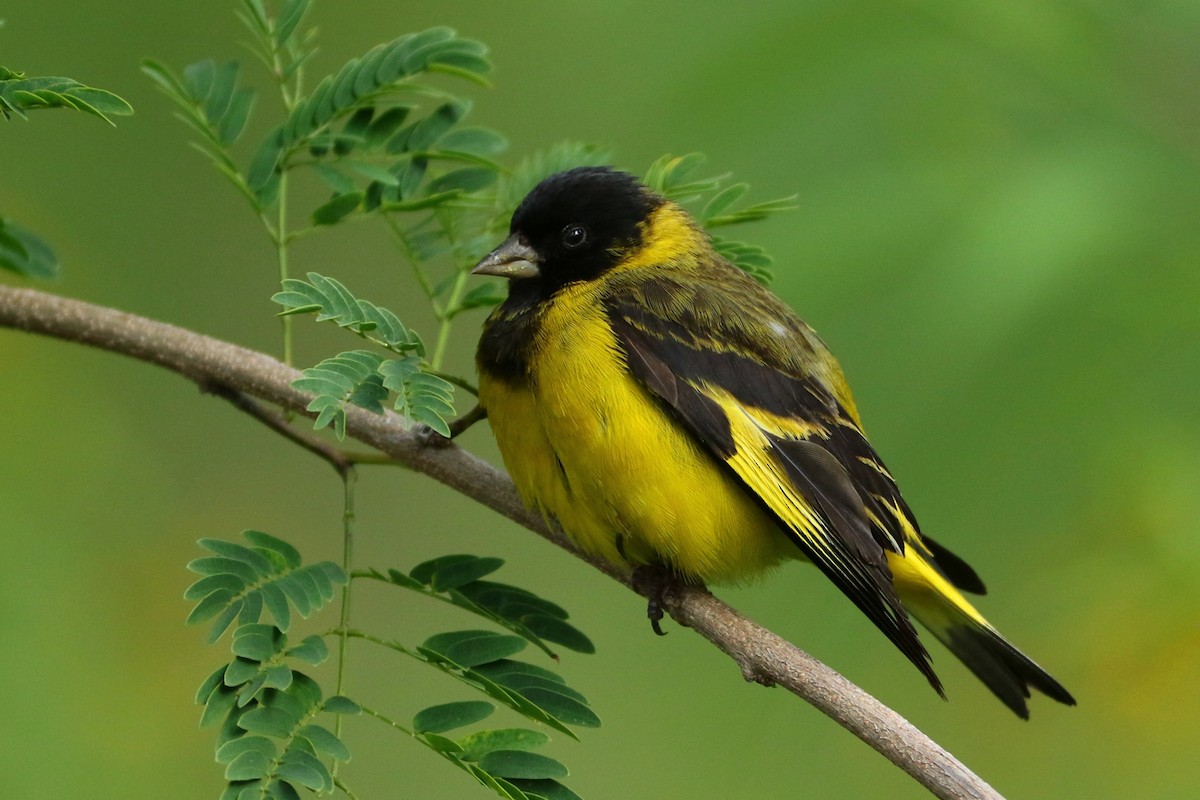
588, 446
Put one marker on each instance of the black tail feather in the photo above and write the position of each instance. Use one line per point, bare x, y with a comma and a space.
1005, 670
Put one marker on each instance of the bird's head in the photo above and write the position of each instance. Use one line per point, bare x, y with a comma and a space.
572, 227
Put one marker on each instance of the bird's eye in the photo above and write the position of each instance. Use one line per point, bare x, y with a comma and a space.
574, 236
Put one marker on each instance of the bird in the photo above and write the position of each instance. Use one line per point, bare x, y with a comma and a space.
667, 410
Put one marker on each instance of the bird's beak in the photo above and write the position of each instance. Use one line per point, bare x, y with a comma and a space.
513, 259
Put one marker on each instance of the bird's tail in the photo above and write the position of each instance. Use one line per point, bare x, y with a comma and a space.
940, 606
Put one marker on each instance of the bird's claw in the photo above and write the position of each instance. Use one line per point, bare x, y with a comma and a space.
654, 581
654, 610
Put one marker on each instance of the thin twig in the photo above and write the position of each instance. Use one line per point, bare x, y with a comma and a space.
461, 383
761, 655
341, 462
349, 481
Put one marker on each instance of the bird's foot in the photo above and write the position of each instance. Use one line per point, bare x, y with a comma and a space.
656, 583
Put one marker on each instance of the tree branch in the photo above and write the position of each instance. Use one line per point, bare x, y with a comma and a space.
762, 656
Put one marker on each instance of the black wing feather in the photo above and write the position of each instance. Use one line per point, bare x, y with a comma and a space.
667, 359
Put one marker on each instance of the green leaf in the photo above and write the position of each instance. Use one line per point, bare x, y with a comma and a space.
269, 721
498, 785
233, 123
343, 91
225, 618
329, 411
567, 709
265, 541
247, 765
219, 703
265, 163
354, 131
209, 685
671, 176
510, 601
447, 716
372, 171
212, 604
252, 606
302, 768
510, 672
411, 172
335, 179
256, 561
474, 141
467, 179
440, 743
413, 51
326, 574
293, 588
419, 396
555, 630
345, 378
289, 20
339, 704
246, 790
755, 212
330, 300
205, 586
356, 86
242, 580
198, 79
722, 200
473, 648
750, 258
215, 565
464, 65
230, 750
311, 650
240, 671
304, 580
338, 208
385, 125
277, 676
452, 576
25, 253
224, 81
424, 571
400, 579
478, 744
277, 604
167, 81
19, 94
549, 789
433, 127
522, 764
508, 697
325, 742
525, 682
542, 688
258, 641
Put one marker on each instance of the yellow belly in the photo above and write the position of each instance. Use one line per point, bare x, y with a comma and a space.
589, 447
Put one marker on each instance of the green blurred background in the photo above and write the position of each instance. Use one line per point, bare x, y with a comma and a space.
998, 234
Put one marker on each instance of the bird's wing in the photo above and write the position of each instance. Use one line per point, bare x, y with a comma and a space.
741, 374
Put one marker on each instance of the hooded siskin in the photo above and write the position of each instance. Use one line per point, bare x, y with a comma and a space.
667, 409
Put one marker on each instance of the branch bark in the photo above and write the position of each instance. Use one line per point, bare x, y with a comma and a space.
761, 655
